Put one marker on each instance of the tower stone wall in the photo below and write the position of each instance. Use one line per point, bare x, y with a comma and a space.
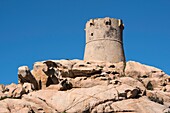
104, 40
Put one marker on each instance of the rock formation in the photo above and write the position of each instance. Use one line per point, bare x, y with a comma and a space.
77, 86
102, 83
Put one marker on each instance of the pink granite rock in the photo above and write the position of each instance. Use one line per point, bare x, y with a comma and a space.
92, 87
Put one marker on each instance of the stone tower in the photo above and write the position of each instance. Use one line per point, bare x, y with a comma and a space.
104, 40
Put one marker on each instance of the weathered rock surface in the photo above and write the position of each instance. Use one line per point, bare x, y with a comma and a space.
75, 86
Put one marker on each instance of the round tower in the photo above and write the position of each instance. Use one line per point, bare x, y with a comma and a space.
104, 40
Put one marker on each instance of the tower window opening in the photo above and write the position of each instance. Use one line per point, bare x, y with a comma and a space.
91, 24
108, 22
91, 34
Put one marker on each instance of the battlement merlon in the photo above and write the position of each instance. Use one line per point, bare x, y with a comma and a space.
104, 28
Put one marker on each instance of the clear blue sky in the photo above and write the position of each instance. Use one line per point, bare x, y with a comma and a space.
35, 30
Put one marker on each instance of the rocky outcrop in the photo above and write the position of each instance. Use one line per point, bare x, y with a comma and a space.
69, 86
